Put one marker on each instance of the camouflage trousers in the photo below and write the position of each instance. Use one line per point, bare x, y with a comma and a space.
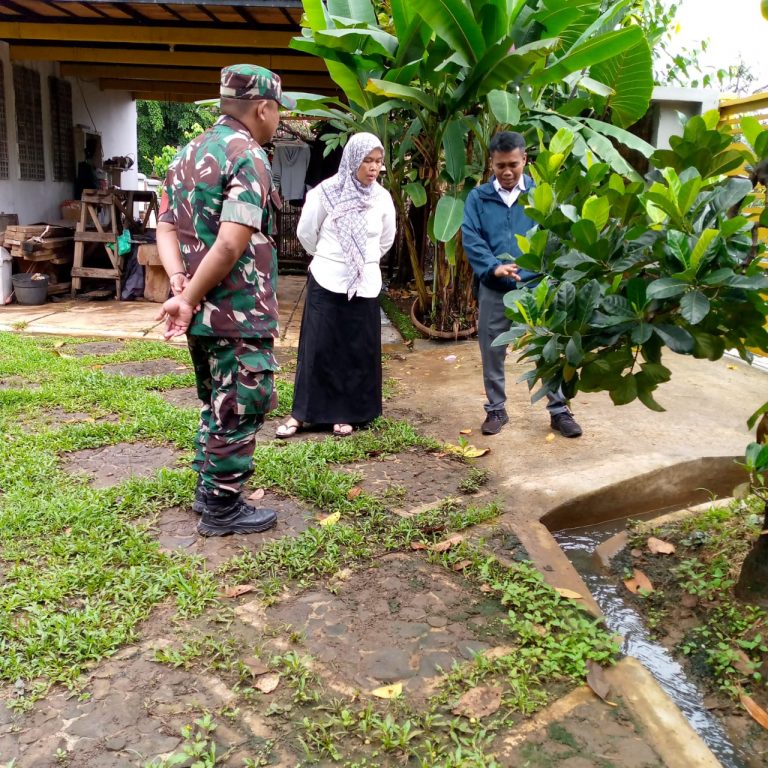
235, 382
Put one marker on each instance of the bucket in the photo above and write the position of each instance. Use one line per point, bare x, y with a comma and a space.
6, 267
30, 289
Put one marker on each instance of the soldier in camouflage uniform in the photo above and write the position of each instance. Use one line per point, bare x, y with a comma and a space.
214, 241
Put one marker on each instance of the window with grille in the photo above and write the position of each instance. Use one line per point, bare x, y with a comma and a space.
60, 92
29, 123
3, 128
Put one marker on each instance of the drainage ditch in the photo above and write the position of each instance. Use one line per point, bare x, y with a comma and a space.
603, 514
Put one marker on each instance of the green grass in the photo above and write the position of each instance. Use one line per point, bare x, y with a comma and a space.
79, 574
728, 645
79, 569
398, 318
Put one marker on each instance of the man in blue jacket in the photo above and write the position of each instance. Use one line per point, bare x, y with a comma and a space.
493, 215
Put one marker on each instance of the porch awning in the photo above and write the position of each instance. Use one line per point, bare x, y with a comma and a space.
169, 51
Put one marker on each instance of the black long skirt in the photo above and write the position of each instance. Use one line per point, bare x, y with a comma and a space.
338, 373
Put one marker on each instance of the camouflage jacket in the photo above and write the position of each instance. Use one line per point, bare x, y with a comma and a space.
224, 175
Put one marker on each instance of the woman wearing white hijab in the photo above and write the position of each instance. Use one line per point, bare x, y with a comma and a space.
347, 225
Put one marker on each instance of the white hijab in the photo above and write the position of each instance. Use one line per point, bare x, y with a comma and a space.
346, 200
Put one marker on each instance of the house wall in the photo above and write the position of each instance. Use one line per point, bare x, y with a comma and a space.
670, 103
110, 113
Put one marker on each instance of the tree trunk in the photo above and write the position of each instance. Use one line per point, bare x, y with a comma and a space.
752, 586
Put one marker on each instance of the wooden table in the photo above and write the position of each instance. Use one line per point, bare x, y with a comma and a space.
156, 282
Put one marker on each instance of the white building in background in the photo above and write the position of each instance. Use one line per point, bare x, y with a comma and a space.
44, 123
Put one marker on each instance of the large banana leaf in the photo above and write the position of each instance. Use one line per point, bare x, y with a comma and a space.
498, 67
588, 54
505, 107
453, 22
404, 92
448, 217
360, 10
566, 19
455, 151
315, 14
368, 42
630, 75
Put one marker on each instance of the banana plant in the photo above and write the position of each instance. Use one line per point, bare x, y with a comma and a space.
634, 267
436, 78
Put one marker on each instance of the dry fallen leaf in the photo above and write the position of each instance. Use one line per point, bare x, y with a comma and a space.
597, 681
467, 451
759, 715
418, 545
660, 547
331, 519
465, 431
388, 691
550, 437
743, 663
256, 667
237, 590
257, 494
479, 702
486, 588
636, 552
446, 544
461, 565
638, 581
267, 683
354, 492
569, 593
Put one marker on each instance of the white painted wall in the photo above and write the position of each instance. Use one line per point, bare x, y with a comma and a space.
672, 102
110, 113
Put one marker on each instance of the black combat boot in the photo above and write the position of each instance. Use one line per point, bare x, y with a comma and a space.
198, 505
228, 513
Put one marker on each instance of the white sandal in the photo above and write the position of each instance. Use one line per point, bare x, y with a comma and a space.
289, 429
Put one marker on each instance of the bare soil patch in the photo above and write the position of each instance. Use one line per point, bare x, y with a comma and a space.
175, 529
410, 479
184, 397
134, 712
17, 382
160, 367
97, 348
404, 620
112, 464
591, 735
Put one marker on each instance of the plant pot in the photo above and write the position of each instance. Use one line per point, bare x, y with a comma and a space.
30, 289
433, 333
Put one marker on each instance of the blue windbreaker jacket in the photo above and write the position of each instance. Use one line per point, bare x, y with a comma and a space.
489, 229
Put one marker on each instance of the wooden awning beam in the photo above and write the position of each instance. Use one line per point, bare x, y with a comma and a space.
278, 62
166, 75
146, 35
207, 90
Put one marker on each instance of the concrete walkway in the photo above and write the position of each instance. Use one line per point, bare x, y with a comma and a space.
138, 319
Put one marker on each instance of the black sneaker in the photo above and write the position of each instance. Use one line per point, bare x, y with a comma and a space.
494, 421
565, 424
228, 513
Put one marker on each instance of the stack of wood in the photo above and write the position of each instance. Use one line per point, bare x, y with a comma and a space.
42, 248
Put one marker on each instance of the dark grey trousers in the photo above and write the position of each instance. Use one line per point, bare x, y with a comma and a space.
491, 323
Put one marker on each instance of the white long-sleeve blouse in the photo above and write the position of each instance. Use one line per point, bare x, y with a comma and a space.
319, 239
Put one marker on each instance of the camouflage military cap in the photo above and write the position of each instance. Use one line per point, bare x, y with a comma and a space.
247, 81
